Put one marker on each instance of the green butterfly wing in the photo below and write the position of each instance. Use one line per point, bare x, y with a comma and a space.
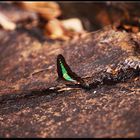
65, 73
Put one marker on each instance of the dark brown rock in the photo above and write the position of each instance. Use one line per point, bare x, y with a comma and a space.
105, 111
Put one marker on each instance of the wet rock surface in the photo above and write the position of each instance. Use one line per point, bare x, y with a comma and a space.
105, 111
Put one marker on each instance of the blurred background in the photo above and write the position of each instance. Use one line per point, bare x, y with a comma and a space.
64, 20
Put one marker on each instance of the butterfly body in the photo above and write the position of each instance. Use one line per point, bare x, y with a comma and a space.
66, 74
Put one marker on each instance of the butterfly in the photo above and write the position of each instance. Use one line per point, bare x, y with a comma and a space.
65, 73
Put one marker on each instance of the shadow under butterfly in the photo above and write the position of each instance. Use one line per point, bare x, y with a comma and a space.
72, 80
65, 73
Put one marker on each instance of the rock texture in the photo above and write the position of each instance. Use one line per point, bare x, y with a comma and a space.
109, 110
